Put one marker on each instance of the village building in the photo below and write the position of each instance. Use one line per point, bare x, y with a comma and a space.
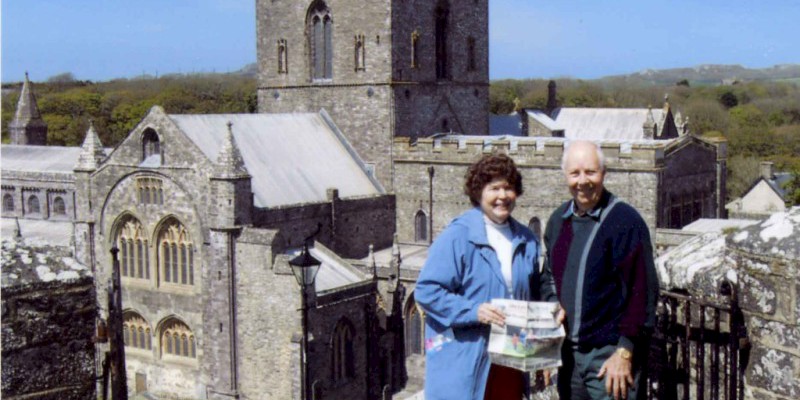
765, 196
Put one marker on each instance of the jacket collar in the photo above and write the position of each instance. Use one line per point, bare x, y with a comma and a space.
572, 210
476, 228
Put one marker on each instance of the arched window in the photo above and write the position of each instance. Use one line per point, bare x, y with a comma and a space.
321, 40
133, 249
535, 225
151, 147
283, 57
343, 357
33, 205
414, 329
8, 203
441, 28
177, 339
136, 331
176, 258
59, 207
420, 227
360, 56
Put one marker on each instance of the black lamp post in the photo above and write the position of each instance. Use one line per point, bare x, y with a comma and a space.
304, 268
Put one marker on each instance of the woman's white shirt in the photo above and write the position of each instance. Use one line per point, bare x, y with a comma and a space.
499, 236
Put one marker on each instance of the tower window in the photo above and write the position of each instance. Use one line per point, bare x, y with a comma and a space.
321, 40
441, 28
283, 57
360, 56
415, 49
471, 63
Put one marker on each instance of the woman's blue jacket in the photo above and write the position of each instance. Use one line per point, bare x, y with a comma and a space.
461, 273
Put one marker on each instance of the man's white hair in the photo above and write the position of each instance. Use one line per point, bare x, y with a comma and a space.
600, 157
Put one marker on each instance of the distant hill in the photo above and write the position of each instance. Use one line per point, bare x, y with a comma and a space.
711, 74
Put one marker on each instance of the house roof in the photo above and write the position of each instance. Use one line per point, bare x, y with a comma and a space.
40, 158
292, 158
603, 123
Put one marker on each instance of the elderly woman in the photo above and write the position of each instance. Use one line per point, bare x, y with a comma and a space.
482, 255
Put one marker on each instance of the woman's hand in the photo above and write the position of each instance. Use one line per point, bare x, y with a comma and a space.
489, 314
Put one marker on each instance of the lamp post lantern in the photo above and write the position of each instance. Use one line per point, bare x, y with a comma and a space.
304, 268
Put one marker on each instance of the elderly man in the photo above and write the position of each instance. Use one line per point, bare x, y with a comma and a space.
600, 257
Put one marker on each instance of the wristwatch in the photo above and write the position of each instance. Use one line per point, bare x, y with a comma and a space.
624, 353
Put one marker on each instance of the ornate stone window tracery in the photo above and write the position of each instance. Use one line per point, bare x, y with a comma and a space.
150, 190
176, 254
133, 248
177, 339
136, 331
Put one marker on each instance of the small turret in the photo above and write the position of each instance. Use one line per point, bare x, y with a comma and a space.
649, 127
231, 186
92, 153
27, 126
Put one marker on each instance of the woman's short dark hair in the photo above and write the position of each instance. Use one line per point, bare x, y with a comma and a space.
488, 169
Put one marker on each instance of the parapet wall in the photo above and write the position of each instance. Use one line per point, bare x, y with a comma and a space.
538, 151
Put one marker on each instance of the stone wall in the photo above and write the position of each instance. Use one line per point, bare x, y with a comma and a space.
633, 176
46, 187
349, 225
49, 313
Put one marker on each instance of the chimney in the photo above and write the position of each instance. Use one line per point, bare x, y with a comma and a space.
551, 98
766, 170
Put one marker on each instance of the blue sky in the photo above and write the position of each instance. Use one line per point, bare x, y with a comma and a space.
105, 39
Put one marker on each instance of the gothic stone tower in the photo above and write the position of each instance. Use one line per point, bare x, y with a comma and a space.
381, 68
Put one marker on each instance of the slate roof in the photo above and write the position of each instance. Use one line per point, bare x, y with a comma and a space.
602, 123
292, 158
40, 158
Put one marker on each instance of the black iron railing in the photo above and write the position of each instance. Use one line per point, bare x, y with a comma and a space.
699, 348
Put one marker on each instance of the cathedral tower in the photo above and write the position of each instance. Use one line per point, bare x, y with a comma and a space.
28, 127
381, 68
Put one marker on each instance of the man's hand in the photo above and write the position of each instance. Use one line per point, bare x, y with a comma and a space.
617, 371
489, 314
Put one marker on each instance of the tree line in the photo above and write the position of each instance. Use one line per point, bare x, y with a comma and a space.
760, 119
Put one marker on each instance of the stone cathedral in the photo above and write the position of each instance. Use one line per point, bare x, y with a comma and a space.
369, 114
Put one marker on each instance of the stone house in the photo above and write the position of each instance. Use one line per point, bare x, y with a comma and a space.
765, 196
